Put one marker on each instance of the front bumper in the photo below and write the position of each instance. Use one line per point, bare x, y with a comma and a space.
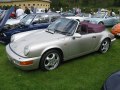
16, 59
112, 40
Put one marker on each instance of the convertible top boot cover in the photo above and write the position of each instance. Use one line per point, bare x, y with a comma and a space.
112, 82
93, 28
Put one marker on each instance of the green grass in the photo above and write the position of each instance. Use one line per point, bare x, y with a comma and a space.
84, 73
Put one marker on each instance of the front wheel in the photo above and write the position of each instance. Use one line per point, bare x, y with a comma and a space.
104, 46
50, 60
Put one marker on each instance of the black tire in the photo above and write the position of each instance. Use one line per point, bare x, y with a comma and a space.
78, 20
105, 45
101, 23
48, 59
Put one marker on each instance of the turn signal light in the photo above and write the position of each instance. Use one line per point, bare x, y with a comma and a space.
26, 63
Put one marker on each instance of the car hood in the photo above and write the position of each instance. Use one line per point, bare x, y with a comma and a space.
36, 38
12, 21
6, 17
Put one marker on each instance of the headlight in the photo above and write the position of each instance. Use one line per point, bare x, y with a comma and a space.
26, 50
13, 38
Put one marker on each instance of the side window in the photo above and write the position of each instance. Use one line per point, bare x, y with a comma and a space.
39, 19
84, 29
36, 19
44, 20
78, 29
54, 18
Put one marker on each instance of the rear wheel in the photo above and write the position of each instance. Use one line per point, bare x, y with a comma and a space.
50, 60
104, 46
101, 23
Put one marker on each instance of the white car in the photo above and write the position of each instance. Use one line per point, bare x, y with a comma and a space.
15, 21
80, 17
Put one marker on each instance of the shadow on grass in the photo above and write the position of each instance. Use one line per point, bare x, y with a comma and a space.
81, 57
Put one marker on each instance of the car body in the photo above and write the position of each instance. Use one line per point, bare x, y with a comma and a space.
80, 17
103, 18
40, 10
59, 42
67, 14
13, 21
30, 22
116, 30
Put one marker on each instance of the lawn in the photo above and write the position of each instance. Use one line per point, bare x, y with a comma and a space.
84, 73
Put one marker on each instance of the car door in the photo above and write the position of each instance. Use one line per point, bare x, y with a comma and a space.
84, 44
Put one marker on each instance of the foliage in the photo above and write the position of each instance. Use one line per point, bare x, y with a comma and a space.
84, 3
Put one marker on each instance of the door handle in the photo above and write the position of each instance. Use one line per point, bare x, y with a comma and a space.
93, 36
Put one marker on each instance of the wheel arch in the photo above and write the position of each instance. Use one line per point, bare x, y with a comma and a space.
53, 48
102, 41
101, 22
108, 39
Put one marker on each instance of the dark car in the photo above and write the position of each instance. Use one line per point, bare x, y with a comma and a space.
30, 22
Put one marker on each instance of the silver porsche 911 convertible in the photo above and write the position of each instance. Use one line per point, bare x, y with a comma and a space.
63, 40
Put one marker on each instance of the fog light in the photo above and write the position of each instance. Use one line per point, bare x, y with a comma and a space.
26, 63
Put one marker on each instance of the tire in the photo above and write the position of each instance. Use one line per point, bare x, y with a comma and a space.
78, 20
50, 60
101, 23
105, 45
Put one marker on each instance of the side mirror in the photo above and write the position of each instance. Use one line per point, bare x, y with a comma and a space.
76, 35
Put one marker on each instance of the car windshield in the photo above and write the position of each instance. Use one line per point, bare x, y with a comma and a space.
63, 26
27, 20
99, 15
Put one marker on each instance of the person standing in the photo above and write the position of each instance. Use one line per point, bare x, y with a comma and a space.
19, 12
46, 10
27, 11
33, 9
112, 13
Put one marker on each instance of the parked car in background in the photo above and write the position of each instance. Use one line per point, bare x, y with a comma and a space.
80, 17
17, 20
103, 18
67, 14
30, 22
40, 10
116, 30
64, 39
